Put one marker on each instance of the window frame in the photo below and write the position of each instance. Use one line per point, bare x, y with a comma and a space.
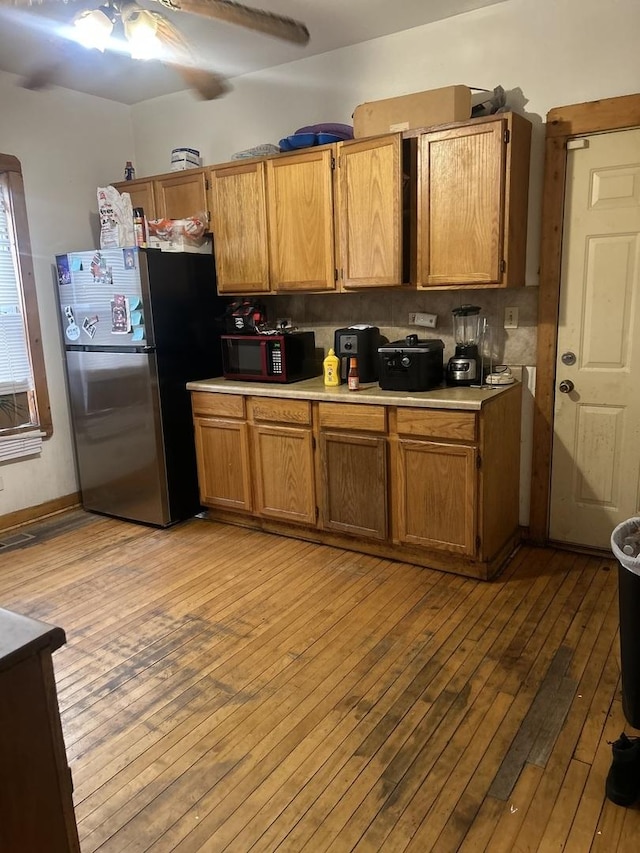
11, 168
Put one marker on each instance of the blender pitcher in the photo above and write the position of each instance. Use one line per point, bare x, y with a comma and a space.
464, 367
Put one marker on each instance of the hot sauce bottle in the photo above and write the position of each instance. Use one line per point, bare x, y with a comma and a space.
353, 380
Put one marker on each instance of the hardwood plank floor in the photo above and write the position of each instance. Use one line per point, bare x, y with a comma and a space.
224, 689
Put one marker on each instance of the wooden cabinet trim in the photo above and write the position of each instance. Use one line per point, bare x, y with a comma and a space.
460, 426
283, 410
225, 405
352, 416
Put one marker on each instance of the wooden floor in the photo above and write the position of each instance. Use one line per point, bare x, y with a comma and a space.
226, 689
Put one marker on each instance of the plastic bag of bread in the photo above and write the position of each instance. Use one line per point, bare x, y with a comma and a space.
175, 235
116, 218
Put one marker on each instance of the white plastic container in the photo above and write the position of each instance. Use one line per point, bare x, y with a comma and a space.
185, 158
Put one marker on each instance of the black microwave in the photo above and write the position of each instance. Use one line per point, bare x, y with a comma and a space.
286, 357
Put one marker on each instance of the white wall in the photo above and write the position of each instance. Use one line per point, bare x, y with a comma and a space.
68, 145
547, 52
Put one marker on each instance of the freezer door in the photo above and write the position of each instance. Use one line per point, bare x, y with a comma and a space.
118, 434
101, 298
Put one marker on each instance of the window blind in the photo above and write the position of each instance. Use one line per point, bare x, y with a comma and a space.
16, 374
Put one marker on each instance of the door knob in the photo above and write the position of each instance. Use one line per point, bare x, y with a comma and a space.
566, 386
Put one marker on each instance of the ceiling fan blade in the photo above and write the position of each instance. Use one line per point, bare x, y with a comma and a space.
209, 86
236, 13
43, 76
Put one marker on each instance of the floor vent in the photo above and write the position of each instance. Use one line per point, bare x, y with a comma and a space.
16, 540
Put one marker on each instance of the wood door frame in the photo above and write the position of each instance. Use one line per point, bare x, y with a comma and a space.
562, 123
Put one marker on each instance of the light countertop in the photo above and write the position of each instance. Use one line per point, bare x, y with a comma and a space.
461, 398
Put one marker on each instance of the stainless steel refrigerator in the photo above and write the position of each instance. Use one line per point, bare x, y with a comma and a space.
137, 326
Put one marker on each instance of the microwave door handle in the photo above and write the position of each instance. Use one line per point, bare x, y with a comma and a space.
264, 356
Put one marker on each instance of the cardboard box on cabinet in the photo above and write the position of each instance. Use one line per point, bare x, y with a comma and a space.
420, 109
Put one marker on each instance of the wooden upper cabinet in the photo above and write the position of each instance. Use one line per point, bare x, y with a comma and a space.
300, 215
369, 212
141, 193
239, 224
472, 203
181, 194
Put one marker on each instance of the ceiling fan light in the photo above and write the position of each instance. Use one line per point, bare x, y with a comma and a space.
140, 30
93, 28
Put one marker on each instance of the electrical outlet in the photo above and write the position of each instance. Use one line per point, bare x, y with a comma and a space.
419, 318
511, 318
428, 320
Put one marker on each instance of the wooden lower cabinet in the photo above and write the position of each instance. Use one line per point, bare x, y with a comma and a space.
283, 473
436, 495
36, 805
352, 469
222, 451
222, 448
353, 495
434, 487
282, 449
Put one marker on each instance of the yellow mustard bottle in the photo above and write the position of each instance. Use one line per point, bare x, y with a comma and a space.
331, 369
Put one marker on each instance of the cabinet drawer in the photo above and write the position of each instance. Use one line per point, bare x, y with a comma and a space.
225, 405
281, 411
352, 416
460, 426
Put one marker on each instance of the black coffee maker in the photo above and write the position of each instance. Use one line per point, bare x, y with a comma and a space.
359, 342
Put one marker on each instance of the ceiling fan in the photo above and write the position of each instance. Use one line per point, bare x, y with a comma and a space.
148, 34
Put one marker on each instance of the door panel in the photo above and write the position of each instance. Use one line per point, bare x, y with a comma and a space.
181, 195
436, 494
118, 434
239, 223
461, 205
301, 239
370, 211
222, 448
284, 480
354, 484
596, 449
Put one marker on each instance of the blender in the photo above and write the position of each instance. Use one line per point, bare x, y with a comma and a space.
464, 368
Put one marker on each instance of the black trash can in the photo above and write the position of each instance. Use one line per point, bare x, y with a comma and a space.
629, 600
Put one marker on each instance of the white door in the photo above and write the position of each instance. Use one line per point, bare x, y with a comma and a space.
595, 481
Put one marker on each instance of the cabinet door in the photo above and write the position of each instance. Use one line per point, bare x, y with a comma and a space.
436, 497
283, 473
239, 225
354, 484
181, 194
141, 193
222, 452
301, 229
461, 181
370, 211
